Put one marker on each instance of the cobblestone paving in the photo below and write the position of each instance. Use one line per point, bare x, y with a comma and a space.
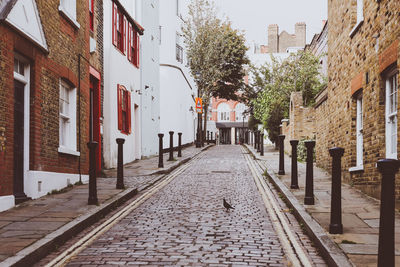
185, 223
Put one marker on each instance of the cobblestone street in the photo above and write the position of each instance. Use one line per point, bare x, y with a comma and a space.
185, 223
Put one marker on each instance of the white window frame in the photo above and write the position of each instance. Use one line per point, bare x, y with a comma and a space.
223, 112
360, 17
68, 9
391, 106
68, 133
359, 133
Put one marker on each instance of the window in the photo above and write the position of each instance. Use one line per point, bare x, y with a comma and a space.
360, 17
239, 110
67, 109
119, 25
133, 45
223, 112
179, 48
391, 85
68, 8
124, 110
91, 14
359, 129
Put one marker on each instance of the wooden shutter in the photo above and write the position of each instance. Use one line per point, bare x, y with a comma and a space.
129, 42
137, 48
124, 35
128, 112
119, 105
114, 24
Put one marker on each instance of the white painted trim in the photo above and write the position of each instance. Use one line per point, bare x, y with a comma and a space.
25, 79
68, 16
7, 202
356, 168
39, 183
66, 150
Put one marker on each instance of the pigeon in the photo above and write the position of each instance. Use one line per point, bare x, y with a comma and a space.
227, 205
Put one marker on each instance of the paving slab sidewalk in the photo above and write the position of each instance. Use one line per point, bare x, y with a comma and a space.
360, 213
32, 229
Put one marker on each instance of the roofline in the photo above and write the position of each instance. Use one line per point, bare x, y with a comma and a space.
137, 26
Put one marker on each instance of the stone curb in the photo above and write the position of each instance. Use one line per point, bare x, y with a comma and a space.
328, 248
44, 246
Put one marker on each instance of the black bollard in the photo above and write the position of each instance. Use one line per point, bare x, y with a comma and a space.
388, 168
281, 155
208, 137
171, 146
180, 145
336, 227
212, 140
120, 164
294, 183
255, 139
160, 151
262, 144
258, 141
92, 173
309, 197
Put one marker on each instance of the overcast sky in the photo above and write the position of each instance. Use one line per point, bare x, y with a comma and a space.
254, 16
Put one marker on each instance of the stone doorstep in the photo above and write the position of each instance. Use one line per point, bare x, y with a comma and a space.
331, 252
44, 246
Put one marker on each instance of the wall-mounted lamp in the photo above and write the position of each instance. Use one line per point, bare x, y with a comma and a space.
191, 109
138, 92
146, 86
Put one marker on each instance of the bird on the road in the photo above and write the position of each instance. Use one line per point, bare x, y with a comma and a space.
227, 205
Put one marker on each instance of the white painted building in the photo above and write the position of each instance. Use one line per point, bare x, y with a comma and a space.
122, 79
177, 88
150, 80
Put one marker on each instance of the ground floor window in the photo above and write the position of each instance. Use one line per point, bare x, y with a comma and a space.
391, 86
359, 131
124, 110
67, 109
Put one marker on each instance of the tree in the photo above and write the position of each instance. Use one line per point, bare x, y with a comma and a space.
216, 53
273, 83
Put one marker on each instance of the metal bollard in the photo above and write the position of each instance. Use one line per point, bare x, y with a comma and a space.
180, 145
388, 168
281, 155
255, 139
92, 145
262, 145
171, 146
309, 197
160, 151
212, 140
208, 137
336, 227
294, 182
258, 141
120, 164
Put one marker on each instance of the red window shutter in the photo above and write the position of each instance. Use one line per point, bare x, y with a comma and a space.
129, 42
114, 24
119, 97
129, 113
124, 34
137, 49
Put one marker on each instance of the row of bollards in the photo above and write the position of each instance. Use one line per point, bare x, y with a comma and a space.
171, 148
387, 167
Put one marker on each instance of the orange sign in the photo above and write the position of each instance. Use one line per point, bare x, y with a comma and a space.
199, 105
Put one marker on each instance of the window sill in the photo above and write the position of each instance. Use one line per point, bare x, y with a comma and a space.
65, 14
65, 150
355, 28
357, 169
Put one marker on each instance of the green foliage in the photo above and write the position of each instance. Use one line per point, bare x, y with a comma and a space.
302, 151
216, 52
272, 85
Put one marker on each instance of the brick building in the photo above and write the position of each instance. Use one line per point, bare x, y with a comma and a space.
360, 110
230, 120
44, 97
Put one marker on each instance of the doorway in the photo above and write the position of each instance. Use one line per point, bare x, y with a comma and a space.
21, 127
94, 120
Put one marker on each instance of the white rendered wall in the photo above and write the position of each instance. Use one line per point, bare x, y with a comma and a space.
118, 70
150, 87
7, 202
176, 95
